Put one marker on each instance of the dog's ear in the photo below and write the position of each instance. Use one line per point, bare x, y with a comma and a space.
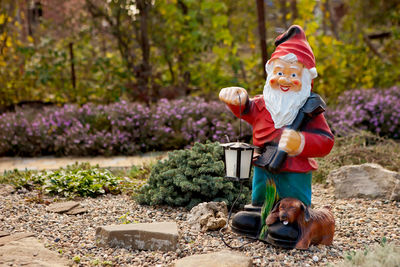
306, 212
276, 207
273, 215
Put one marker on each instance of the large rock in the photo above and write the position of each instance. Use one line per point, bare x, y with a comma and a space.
29, 252
365, 181
208, 216
14, 237
142, 236
218, 259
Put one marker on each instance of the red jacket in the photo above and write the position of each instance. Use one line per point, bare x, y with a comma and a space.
318, 137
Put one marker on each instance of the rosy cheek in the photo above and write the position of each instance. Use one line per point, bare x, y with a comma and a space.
296, 82
272, 81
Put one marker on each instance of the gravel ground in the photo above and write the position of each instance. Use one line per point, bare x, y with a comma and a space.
359, 223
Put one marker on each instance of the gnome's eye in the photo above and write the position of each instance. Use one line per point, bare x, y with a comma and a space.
280, 73
294, 75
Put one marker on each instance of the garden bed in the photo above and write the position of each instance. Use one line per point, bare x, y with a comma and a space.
359, 223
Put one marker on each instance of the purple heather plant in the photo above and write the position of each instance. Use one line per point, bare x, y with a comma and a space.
373, 110
117, 129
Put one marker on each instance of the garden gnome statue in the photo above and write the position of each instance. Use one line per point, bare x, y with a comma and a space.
290, 73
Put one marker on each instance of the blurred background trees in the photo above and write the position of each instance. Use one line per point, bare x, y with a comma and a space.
81, 51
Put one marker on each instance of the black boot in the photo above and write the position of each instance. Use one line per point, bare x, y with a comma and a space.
283, 236
253, 207
247, 222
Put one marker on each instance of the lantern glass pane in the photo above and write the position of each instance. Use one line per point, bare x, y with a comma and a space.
245, 163
231, 162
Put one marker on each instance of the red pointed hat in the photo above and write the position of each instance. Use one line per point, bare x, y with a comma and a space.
294, 41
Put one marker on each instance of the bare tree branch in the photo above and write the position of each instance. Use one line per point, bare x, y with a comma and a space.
373, 48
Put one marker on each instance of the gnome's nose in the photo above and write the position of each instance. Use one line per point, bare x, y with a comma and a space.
284, 81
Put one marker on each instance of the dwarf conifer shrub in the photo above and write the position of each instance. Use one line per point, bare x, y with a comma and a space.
189, 177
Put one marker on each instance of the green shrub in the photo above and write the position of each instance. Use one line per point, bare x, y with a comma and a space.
189, 177
387, 255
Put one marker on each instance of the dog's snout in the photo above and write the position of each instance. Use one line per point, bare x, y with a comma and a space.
284, 216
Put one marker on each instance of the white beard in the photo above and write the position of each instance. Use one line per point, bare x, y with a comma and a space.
284, 106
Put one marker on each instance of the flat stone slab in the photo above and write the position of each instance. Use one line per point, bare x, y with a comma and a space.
9, 238
2, 233
30, 252
216, 259
76, 210
142, 236
61, 207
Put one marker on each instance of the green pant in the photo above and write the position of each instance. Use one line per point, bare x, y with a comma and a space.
288, 184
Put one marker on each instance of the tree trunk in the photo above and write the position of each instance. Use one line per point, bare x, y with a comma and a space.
293, 8
263, 34
144, 70
71, 55
332, 19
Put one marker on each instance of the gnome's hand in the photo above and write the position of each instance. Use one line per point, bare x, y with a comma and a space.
291, 142
230, 95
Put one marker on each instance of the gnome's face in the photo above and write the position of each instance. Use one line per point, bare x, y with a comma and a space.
286, 90
286, 76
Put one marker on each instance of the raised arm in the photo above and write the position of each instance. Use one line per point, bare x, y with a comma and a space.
231, 96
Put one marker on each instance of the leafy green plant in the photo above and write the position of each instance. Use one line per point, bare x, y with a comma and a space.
72, 182
78, 180
189, 177
21, 179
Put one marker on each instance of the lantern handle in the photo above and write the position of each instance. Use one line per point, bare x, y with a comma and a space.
240, 117
227, 138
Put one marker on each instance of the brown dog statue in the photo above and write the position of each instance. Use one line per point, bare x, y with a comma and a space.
316, 226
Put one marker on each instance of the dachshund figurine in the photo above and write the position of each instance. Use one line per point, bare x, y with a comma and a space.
316, 226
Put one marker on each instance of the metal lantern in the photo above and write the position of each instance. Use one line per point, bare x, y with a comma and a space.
238, 159
238, 156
